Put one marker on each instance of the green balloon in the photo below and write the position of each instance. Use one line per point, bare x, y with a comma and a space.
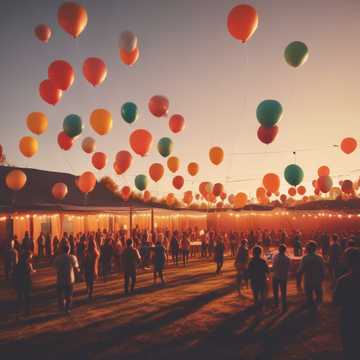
129, 112
72, 125
294, 174
141, 182
165, 146
269, 112
296, 53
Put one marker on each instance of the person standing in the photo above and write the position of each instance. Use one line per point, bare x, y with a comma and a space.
174, 248
66, 265
325, 244
241, 264
281, 266
185, 248
219, 254
48, 245
27, 243
90, 265
41, 241
11, 258
130, 259
159, 260
106, 256
335, 259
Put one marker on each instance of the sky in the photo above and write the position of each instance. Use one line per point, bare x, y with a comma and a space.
214, 81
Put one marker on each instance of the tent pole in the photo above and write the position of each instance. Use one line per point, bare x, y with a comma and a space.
152, 224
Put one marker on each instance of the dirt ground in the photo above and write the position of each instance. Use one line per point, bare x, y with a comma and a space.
196, 315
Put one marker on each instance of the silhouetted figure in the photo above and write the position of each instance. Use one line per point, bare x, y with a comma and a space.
185, 249
159, 261
241, 264
347, 296
27, 243
106, 255
90, 265
174, 249
219, 255
11, 258
325, 244
335, 259
130, 259
41, 240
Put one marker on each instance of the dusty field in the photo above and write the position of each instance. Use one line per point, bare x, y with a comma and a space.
196, 315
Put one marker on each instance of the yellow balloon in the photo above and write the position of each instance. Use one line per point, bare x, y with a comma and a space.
15, 180
37, 122
28, 146
173, 164
240, 200
101, 121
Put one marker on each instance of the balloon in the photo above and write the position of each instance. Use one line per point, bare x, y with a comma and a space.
347, 187
72, 125
125, 193
223, 196
216, 155
317, 191
283, 198
323, 171
101, 121
15, 180
49, 92
156, 172
176, 123
147, 196
128, 41
348, 145
165, 146
99, 160
43, 33
37, 122
292, 191
94, 71
88, 145
87, 182
193, 168
240, 200
129, 57
268, 193
231, 199
129, 112
325, 183
188, 197
271, 182
242, 22
170, 199
141, 182
205, 188
314, 182
59, 191
301, 190
61, 74
294, 175
267, 135
73, 18
269, 112
178, 182
123, 161
28, 146
140, 141
159, 105
296, 53
218, 189
173, 164
64, 141
260, 193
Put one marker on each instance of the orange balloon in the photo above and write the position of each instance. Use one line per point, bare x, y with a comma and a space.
216, 155
94, 70
141, 141
61, 73
123, 161
49, 92
188, 197
268, 193
125, 193
28, 146
156, 172
43, 33
348, 145
170, 199
292, 191
176, 123
347, 187
271, 182
323, 171
129, 58
205, 188
159, 105
99, 160
218, 189
178, 182
86, 182
147, 196
325, 183
260, 193
173, 164
193, 168
73, 18
242, 22
240, 200
59, 191
301, 190
15, 180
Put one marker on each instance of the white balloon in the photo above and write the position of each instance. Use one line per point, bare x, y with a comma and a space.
128, 41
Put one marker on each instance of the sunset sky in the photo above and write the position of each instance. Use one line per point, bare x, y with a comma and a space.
214, 81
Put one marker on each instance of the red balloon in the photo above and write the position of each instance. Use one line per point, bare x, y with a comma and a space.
72, 17
218, 189
301, 190
49, 92
65, 142
317, 191
176, 123
347, 187
141, 141
125, 193
323, 171
283, 197
43, 33
159, 105
94, 70
348, 145
99, 160
267, 135
325, 183
61, 74
223, 196
156, 171
147, 196
178, 182
129, 58
292, 191
123, 161
59, 191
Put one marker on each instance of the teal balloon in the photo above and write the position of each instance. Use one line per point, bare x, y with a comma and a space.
72, 125
141, 182
296, 53
269, 112
129, 112
165, 146
294, 174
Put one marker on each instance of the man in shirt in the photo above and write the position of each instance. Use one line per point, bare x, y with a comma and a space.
65, 265
130, 259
